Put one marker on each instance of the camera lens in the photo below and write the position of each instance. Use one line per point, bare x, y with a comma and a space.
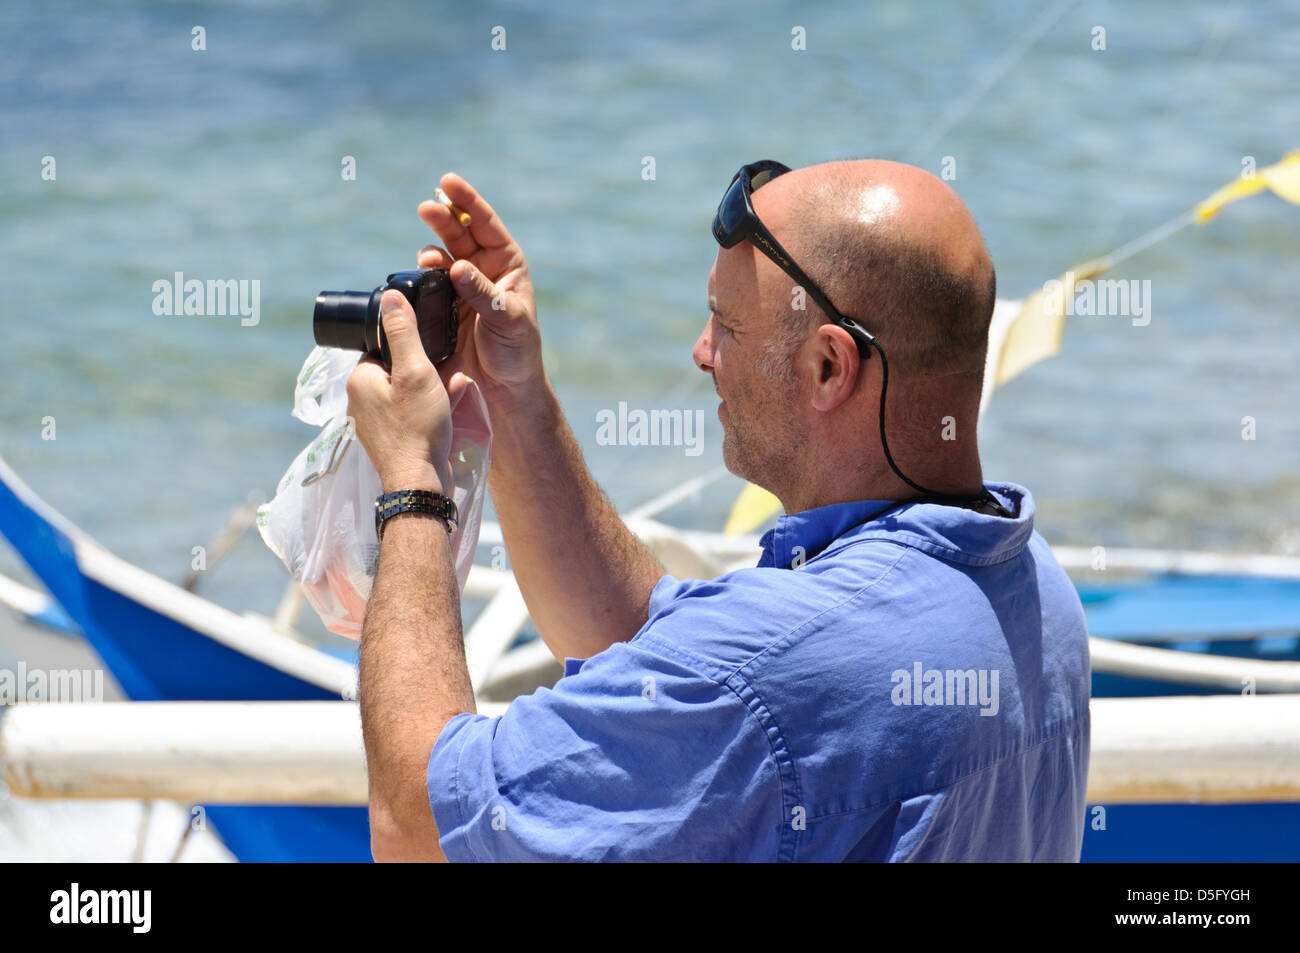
347, 319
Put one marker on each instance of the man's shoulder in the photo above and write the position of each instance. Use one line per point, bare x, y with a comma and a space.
735, 618
861, 605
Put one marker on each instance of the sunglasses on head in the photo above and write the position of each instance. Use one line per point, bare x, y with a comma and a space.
736, 221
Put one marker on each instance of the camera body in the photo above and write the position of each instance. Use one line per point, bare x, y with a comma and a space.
350, 319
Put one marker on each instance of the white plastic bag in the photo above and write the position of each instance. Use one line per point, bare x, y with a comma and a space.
321, 523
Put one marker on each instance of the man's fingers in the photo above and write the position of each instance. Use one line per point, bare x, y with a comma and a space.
472, 285
485, 231
433, 256
367, 374
403, 335
456, 385
458, 239
488, 230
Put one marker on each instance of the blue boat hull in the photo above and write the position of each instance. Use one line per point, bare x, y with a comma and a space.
1186, 833
1196, 612
155, 657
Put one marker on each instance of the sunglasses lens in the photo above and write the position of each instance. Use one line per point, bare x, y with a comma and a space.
731, 216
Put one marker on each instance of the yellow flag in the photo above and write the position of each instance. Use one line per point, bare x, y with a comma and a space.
754, 507
1283, 178
1036, 332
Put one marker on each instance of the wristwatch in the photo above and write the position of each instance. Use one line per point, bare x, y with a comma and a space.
415, 501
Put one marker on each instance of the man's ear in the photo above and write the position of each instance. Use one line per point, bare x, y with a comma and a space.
830, 359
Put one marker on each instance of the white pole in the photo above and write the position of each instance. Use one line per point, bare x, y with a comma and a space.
195, 752
1080, 559
493, 631
1222, 672
1183, 750
1211, 749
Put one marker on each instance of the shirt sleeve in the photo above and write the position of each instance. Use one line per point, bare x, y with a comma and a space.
636, 756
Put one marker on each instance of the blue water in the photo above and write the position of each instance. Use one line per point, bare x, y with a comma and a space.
225, 163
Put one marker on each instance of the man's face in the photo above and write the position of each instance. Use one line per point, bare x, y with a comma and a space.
762, 440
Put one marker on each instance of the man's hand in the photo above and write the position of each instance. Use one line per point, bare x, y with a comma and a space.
538, 479
500, 344
403, 419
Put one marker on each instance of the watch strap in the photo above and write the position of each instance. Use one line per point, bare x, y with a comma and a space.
415, 501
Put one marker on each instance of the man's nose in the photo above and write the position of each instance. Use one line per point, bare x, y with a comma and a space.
702, 353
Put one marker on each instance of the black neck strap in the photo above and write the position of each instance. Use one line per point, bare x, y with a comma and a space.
946, 499
928, 496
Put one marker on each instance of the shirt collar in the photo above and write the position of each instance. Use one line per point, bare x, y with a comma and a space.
950, 532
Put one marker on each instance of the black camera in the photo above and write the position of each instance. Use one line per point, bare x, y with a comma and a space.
350, 319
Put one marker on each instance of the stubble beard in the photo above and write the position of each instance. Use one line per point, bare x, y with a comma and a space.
761, 444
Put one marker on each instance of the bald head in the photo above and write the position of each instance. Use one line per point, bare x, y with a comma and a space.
894, 247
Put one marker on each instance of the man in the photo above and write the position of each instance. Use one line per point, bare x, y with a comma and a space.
904, 675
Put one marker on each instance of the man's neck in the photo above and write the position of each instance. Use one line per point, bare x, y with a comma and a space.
966, 484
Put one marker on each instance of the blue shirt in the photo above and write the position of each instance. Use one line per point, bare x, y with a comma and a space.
915, 688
